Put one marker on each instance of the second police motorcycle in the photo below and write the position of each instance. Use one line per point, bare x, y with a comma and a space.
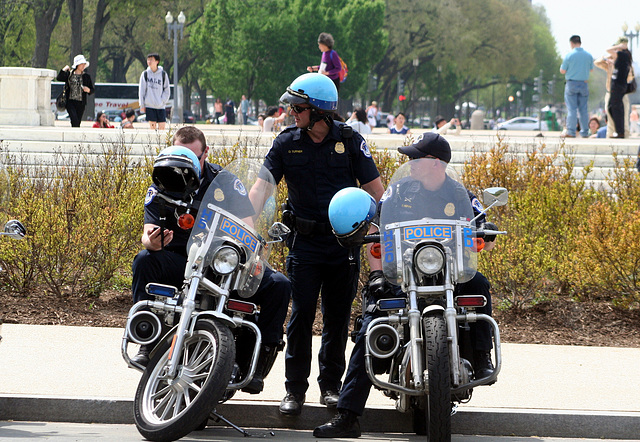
197, 361
417, 349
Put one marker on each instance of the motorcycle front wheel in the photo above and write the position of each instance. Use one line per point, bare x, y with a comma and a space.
166, 409
432, 413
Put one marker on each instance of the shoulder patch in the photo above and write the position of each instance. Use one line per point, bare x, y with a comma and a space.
477, 205
387, 193
151, 193
239, 187
365, 149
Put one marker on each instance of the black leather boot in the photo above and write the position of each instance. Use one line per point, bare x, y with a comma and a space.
343, 424
266, 359
142, 357
482, 364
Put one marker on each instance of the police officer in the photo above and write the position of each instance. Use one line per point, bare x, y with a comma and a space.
425, 180
317, 157
164, 257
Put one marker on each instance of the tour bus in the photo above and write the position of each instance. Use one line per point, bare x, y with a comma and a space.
111, 96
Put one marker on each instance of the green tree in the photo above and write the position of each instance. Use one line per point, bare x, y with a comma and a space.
17, 35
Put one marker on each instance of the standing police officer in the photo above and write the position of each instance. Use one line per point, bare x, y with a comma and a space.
164, 257
317, 157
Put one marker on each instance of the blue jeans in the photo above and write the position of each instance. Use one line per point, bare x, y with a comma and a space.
576, 95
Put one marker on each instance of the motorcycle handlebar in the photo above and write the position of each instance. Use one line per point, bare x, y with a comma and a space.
371, 238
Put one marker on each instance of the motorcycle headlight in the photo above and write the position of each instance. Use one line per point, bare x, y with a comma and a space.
226, 260
429, 260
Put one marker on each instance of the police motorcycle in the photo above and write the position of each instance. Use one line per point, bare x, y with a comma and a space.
416, 347
196, 362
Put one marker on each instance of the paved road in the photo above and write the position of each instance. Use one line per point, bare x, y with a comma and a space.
12, 431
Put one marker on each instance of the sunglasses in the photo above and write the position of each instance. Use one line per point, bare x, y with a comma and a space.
298, 109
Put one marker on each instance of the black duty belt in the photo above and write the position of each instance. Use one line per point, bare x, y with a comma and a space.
311, 227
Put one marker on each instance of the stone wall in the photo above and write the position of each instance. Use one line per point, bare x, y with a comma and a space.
25, 96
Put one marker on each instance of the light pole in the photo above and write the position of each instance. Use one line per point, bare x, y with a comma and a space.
438, 92
176, 112
631, 35
416, 63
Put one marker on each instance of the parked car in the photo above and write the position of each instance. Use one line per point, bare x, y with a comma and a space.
188, 117
112, 114
522, 123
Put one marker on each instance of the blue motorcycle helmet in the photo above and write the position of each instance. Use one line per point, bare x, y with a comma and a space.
176, 169
351, 211
317, 90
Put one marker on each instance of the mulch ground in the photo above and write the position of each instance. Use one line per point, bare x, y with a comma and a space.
558, 322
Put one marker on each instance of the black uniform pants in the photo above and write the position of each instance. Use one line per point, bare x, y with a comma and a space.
75, 109
357, 384
166, 267
319, 266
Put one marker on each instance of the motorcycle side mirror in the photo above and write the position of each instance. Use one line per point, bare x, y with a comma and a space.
14, 229
278, 232
495, 196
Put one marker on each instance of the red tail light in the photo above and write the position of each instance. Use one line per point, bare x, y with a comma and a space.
241, 306
186, 221
471, 301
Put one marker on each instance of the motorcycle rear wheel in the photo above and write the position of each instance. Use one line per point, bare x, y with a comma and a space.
432, 413
168, 409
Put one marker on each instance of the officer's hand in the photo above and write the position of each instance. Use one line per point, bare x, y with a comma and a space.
155, 240
376, 284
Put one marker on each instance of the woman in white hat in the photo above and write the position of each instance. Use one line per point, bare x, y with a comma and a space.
77, 86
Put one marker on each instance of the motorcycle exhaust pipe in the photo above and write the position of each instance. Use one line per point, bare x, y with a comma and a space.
144, 328
383, 341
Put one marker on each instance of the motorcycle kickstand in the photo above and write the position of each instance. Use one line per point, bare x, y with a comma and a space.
218, 417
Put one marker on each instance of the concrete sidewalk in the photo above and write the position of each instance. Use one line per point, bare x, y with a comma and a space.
77, 374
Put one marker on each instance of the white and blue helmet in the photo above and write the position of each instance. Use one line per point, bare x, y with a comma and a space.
177, 169
351, 211
317, 90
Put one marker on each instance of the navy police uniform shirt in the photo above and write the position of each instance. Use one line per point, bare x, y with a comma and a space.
314, 172
410, 200
153, 210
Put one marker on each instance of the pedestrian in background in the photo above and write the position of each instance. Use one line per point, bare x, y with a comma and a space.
102, 121
576, 67
358, 120
330, 63
244, 109
372, 114
78, 85
618, 106
154, 92
230, 111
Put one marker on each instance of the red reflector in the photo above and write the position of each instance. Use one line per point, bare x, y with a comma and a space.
471, 301
186, 221
241, 306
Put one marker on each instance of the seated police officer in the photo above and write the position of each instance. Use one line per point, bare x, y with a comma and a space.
426, 181
182, 172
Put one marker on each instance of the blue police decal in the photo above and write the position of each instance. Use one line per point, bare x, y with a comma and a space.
205, 219
239, 187
235, 231
151, 193
427, 232
388, 247
468, 236
365, 149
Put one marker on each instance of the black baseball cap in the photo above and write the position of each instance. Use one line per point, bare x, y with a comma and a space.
428, 144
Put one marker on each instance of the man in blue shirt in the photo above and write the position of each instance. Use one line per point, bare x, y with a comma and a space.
576, 68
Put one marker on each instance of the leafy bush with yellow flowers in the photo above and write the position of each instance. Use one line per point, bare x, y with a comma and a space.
565, 238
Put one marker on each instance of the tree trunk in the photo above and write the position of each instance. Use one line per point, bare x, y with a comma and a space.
98, 28
46, 14
75, 13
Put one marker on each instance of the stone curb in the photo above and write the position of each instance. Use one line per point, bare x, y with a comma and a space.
490, 422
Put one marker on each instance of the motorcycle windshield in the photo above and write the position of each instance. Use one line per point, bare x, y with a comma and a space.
426, 203
227, 217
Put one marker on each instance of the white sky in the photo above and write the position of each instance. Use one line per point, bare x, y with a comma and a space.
597, 22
